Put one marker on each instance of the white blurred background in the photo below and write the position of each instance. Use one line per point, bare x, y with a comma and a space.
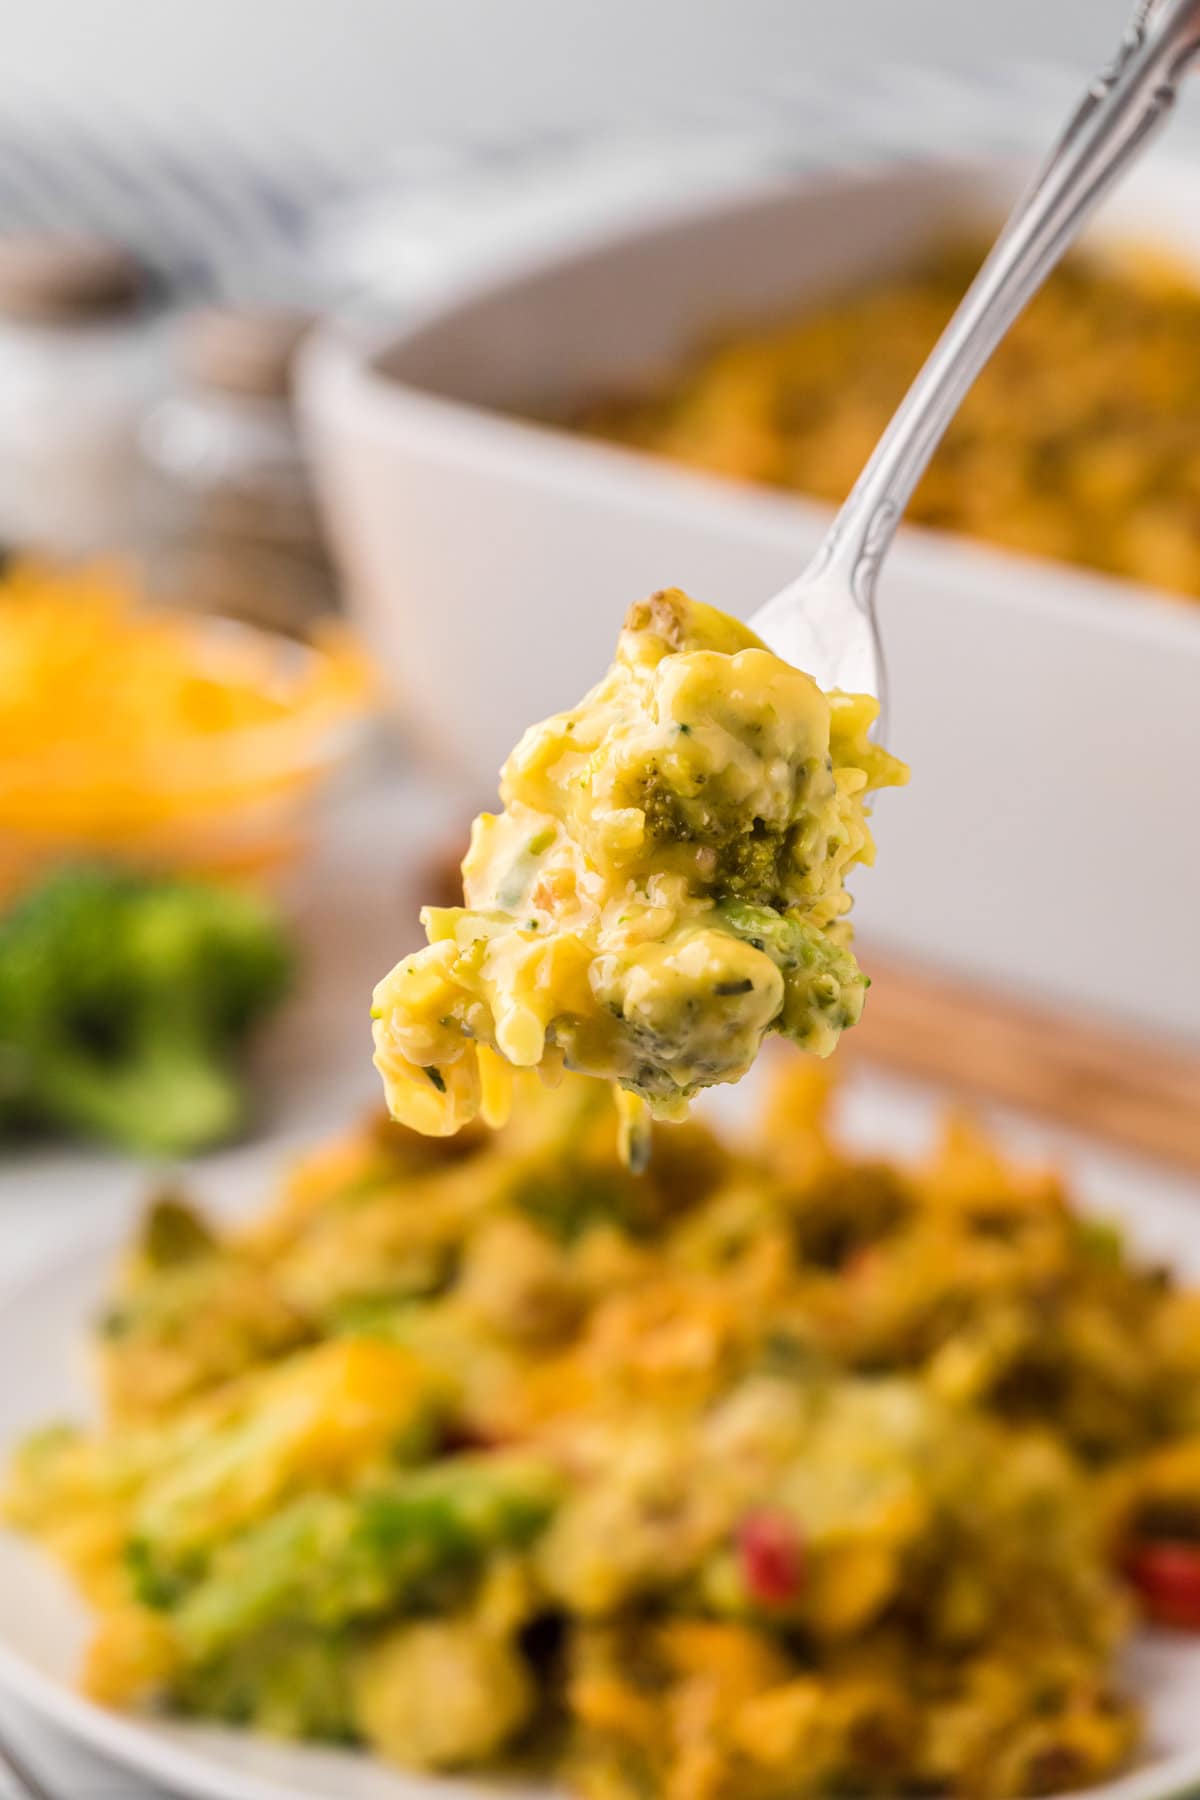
360, 73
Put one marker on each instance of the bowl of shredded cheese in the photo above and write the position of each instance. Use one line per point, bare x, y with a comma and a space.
164, 739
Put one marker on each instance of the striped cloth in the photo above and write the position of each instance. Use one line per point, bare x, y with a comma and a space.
431, 210
214, 215
209, 216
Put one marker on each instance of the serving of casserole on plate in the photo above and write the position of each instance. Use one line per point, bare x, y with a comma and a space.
488, 1454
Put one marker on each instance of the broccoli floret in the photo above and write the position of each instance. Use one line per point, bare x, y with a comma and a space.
824, 988
124, 1001
289, 1684
408, 1544
755, 861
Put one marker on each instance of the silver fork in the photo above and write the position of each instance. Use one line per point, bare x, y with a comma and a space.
826, 621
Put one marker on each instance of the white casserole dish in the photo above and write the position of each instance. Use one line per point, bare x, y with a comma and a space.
1052, 718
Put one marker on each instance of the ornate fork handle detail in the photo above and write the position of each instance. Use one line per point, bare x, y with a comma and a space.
1121, 109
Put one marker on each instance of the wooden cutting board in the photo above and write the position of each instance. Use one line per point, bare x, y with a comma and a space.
1140, 1093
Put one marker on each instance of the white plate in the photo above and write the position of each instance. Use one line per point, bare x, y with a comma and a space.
43, 1627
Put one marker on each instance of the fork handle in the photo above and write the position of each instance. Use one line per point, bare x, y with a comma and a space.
1122, 108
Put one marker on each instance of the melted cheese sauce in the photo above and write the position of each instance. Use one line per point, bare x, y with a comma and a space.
664, 886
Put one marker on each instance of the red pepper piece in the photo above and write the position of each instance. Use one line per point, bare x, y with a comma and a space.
1166, 1577
771, 1557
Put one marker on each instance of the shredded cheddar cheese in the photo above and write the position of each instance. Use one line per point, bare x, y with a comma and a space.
161, 736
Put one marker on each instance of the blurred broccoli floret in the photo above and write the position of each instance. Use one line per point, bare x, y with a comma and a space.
124, 1002
289, 1684
408, 1544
